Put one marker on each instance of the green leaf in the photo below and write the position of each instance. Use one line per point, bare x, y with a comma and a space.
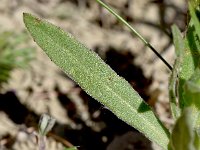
195, 19
96, 78
192, 94
196, 141
183, 136
13, 54
46, 123
194, 3
173, 84
178, 41
191, 59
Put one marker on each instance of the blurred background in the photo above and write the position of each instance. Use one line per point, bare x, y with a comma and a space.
30, 84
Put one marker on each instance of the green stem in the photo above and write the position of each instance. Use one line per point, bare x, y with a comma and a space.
135, 32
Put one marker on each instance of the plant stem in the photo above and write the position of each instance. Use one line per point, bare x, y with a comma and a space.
41, 142
135, 32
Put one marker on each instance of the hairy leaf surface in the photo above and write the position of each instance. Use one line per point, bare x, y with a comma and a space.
96, 78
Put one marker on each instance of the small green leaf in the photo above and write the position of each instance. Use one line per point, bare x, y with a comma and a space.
192, 95
195, 19
196, 141
178, 41
46, 123
192, 90
173, 84
13, 54
191, 59
183, 136
195, 3
96, 78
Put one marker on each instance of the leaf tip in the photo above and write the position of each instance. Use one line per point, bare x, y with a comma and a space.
25, 16
30, 19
